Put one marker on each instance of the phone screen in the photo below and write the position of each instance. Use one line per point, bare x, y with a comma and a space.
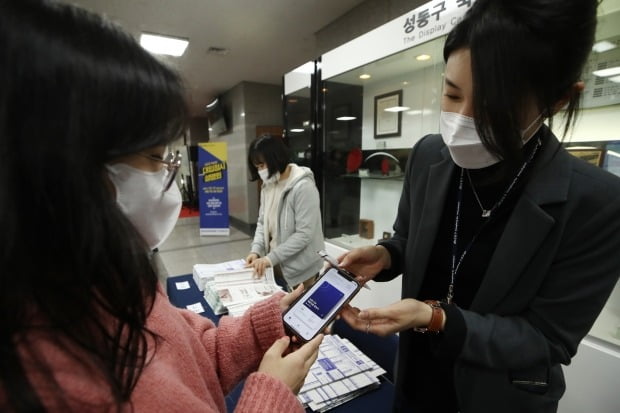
311, 313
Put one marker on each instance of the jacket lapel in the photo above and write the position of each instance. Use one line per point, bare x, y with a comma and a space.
435, 198
527, 226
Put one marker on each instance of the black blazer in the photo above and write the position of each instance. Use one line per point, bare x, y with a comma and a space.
553, 269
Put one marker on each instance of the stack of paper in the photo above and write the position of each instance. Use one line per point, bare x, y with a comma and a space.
234, 291
204, 272
340, 373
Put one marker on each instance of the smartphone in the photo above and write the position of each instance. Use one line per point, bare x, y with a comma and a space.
318, 306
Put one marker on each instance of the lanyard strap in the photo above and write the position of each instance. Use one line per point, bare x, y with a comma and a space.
455, 236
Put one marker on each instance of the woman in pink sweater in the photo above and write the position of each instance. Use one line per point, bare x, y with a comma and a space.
88, 190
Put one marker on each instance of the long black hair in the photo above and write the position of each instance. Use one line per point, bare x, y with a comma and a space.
521, 50
75, 93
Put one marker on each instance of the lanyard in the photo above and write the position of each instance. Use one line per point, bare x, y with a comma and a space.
455, 236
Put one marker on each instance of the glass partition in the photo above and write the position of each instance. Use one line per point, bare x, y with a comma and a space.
372, 116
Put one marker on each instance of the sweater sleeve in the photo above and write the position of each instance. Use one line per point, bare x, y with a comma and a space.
263, 393
238, 344
258, 243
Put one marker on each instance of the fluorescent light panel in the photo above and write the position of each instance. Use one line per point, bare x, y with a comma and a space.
397, 109
615, 79
610, 71
158, 44
603, 46
345, 118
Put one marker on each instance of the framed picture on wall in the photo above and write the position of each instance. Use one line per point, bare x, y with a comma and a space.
388, 114
592, 155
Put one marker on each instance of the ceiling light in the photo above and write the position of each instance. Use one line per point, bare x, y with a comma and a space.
405, 83
423, 112
603, 46
167, 45
610, 71
297, 130
365, 76
345, 118
397, 109
422, 57
615, 79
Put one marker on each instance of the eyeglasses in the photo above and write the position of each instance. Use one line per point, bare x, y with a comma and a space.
172, 162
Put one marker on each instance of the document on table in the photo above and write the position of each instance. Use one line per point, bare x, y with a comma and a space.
340, 373
205, 272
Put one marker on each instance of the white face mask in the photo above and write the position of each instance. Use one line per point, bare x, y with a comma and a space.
139, 195
264, 175
461, 137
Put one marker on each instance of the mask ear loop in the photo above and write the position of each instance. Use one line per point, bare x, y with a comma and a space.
524, 131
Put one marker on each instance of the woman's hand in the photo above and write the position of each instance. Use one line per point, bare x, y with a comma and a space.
291, 368
366, 262
401, 315
250, 258
259, 264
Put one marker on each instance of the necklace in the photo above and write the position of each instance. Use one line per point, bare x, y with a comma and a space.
486, 213
456, 260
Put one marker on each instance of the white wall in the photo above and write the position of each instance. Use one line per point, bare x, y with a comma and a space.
247, 105
421, 94
596, 124
592, 379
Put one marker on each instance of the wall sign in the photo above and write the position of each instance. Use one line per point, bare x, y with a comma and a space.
425, 23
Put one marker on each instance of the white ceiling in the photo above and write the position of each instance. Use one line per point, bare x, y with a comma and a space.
265, 38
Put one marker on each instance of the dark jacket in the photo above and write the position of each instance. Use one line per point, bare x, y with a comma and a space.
553, 269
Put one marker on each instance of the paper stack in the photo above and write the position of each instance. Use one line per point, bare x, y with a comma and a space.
340, 373
204, 272
234, 291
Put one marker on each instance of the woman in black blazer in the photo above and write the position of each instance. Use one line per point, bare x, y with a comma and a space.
507, 244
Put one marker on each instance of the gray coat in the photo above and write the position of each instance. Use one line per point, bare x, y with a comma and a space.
553, 269
299, 230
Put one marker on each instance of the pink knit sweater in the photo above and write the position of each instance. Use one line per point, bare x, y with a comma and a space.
194, 366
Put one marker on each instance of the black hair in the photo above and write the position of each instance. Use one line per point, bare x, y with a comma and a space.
270, 150
75, 93
521, 50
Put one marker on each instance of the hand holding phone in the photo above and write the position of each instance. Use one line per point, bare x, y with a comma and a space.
332, 261
312, 312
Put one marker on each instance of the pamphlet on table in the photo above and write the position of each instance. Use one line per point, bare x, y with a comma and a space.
340, 373
231, 288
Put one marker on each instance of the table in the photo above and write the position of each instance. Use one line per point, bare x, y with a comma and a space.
184, 293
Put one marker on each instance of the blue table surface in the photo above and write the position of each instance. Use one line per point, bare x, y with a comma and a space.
183, 292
